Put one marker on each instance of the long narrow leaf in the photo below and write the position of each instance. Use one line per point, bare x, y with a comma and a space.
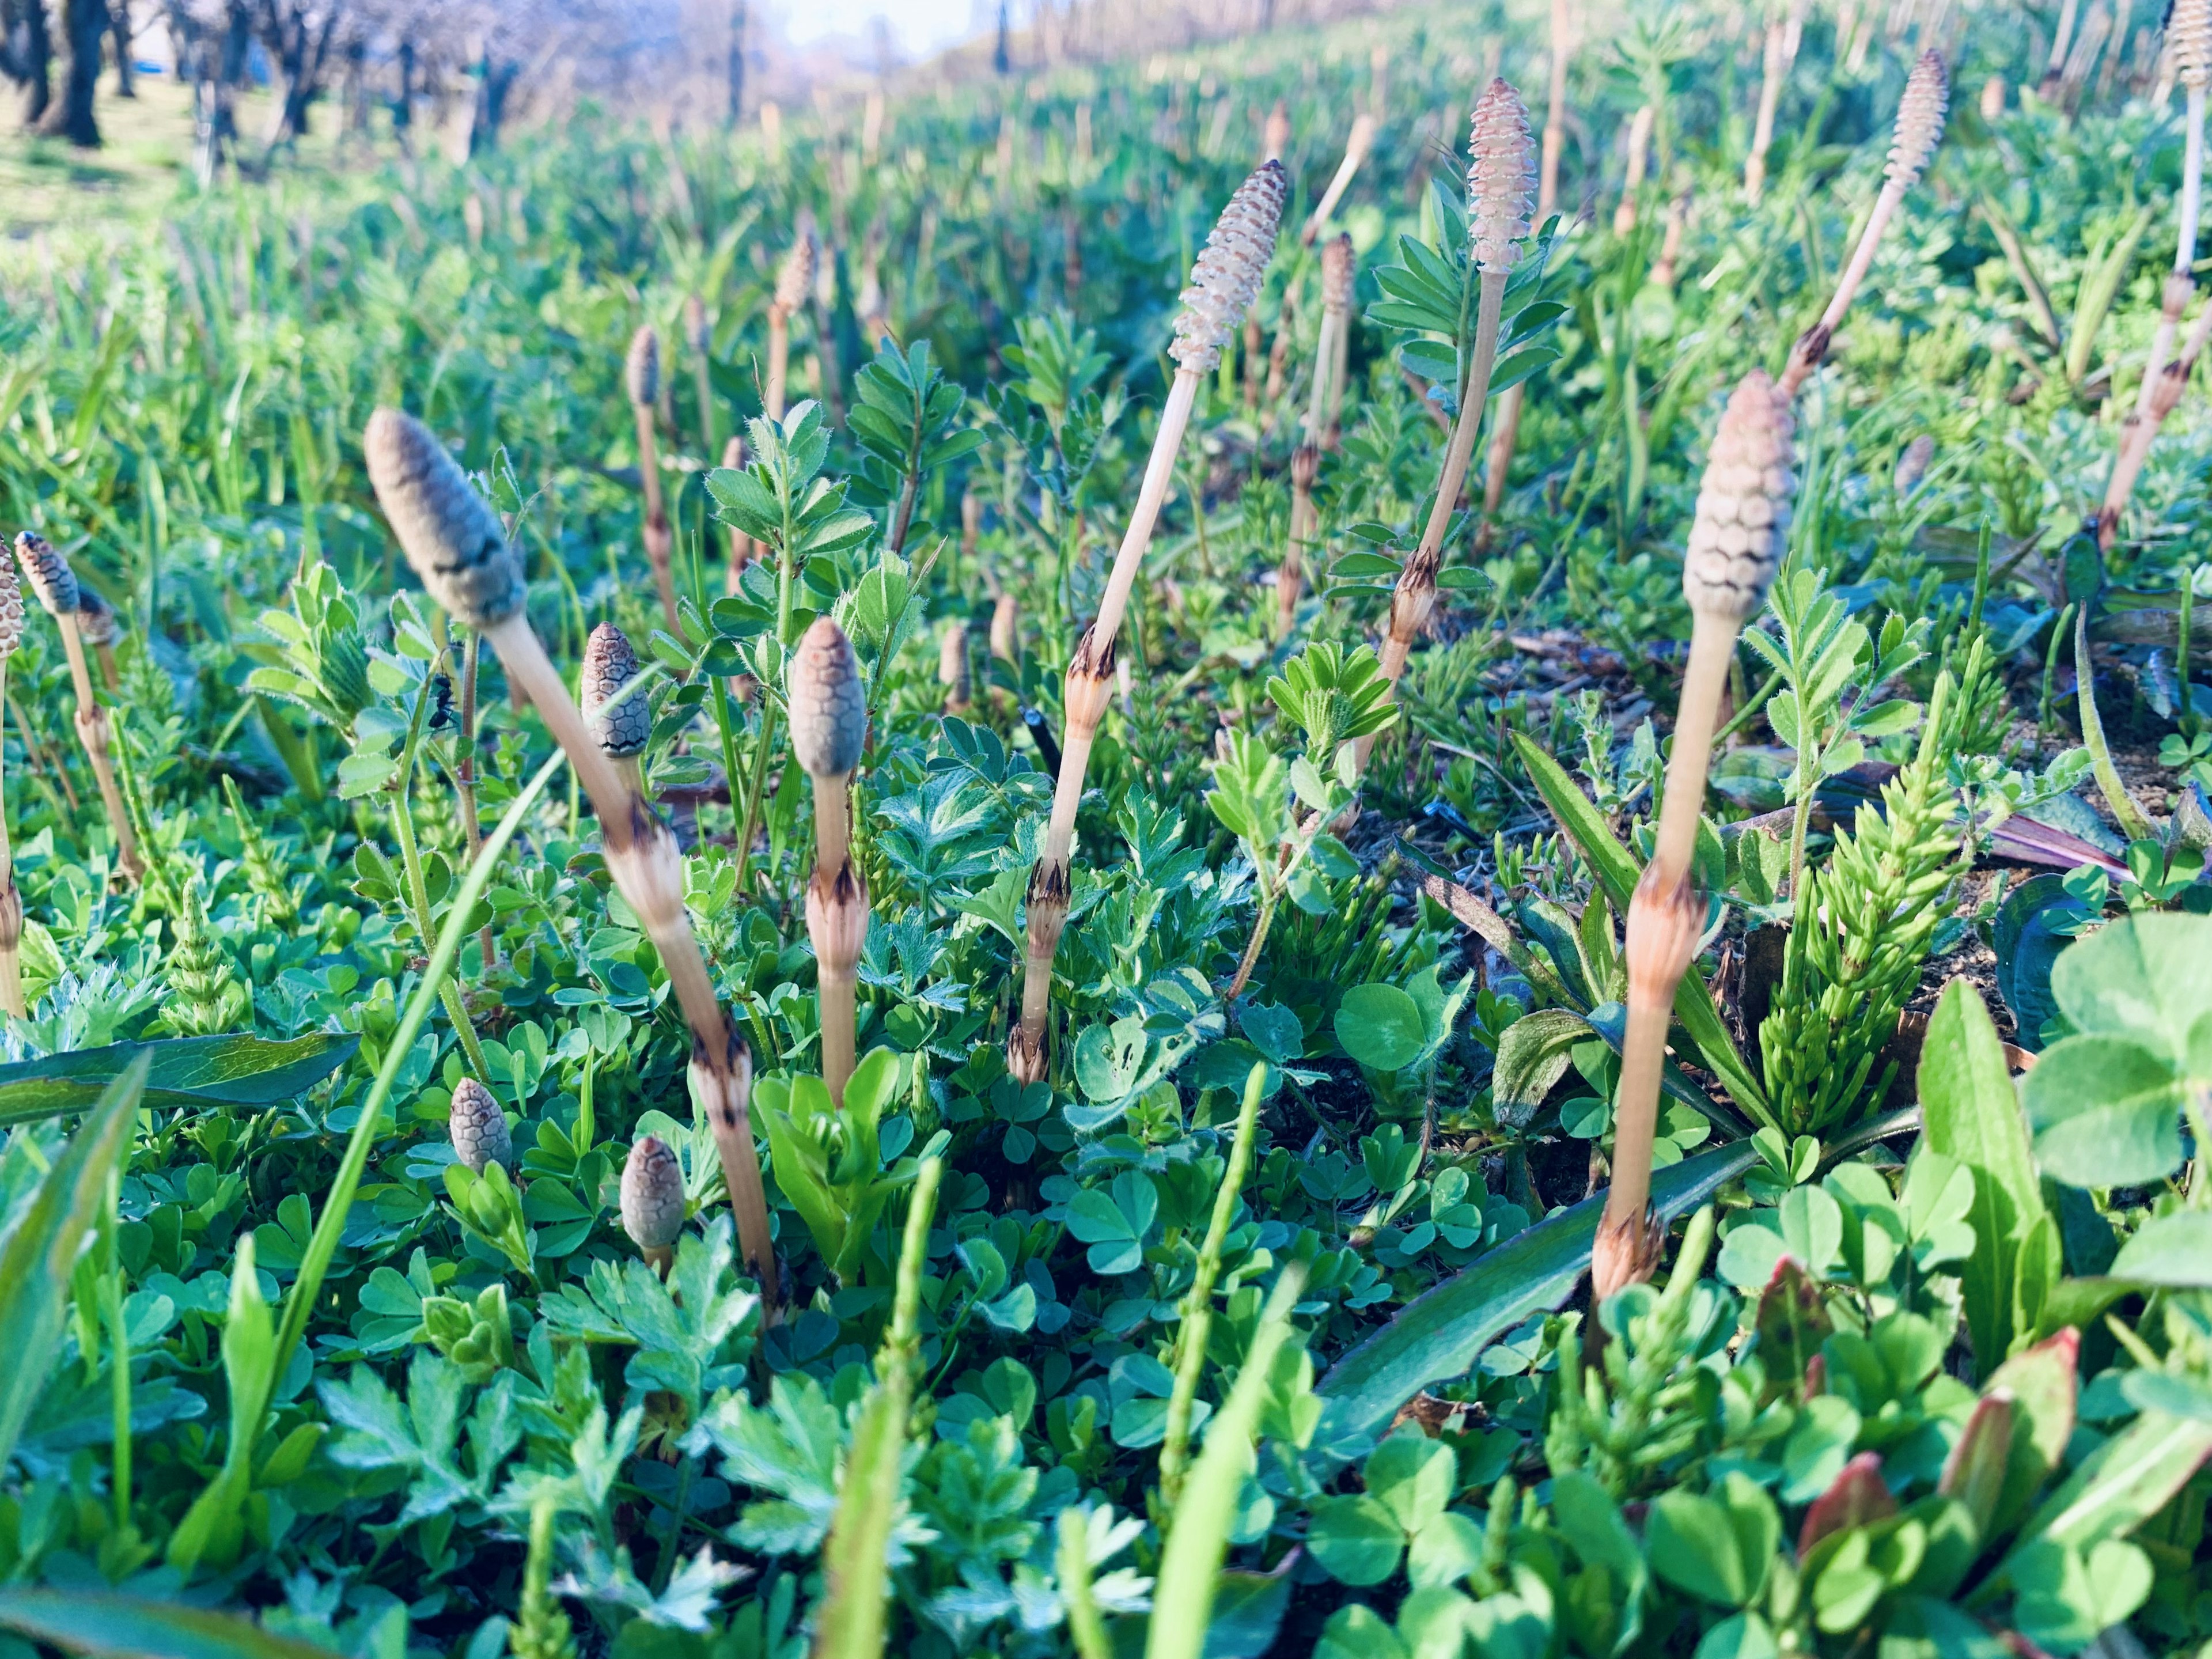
38, 1259
126, 1627
1617, 872
183, 1071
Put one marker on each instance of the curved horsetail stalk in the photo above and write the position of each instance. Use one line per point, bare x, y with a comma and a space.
1919, 128
1223, 283
642, 376
795, 281
1501, 182
2189, 36
455, 544
55, 585
1336, 273
1736, 539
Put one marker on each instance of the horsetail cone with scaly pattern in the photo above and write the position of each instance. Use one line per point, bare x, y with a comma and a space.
611, 664
1224, 281
1919, 128
450, 535
652, 1199
57, 590
1501, 178
829, 712
11, 611
479, 1127
641, 379
49, 574
1736, 537
641, 368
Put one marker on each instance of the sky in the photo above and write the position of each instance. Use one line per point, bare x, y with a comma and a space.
918, 26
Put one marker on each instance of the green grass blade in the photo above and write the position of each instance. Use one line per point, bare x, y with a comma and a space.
126, 1627
37, 1262
185, 1071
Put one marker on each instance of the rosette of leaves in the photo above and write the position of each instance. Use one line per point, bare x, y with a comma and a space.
829, 1159
315, 656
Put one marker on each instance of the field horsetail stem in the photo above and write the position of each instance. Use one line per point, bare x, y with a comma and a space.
2189, 40
1224, 281
452, 539
1336, 274
1501, 184
11, 900
1736, 537
1919, 128
641, 378
828, 709
795, 281
55, 586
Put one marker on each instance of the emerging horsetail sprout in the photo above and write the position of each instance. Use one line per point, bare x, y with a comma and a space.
828, 708
55, 585
653, 1200
795, 281
611, 664
11, 901
1336, 259
479, 1127
1223, 284
1275, 137
642, 372
454, 541
2189, 39
1501, 180
1741, 524
1920, 128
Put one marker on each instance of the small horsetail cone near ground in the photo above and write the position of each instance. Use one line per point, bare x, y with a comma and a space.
828, 704
651, 1195
479, 1127
1225, 279
611, 664
1743, 503
49, 574
1501, 177
1920, 114
641, 368
11, 611
448, 533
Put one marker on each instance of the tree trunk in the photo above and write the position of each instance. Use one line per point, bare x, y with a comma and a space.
403, 107
1002, 55
84, 25
124, 38
31, 58
495, 80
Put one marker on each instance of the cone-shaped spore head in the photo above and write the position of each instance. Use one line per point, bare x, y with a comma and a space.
652, 1194
1337, 266
2189, 33
1920, 114
95, 618
11, 611
479, 1127
828, 704
641, 368
1225, 279
1501, 177
448, 533
611, 664
47, 569
1743, 503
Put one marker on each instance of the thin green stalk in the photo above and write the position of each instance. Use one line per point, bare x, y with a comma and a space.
449, 990
1085, 1624
2050, 670
2133, 824
1756, 701
119, 1358
1198, 1303
2189, 721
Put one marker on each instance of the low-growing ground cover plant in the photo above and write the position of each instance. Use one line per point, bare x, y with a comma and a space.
1024, 981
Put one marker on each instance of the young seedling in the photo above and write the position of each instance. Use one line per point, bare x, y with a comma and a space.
11, 900
455, 544
652, 1201
829, 707
1500, 178
1919, 128
621, 729
795, 281
2189, 39
479, 1127
1740, 527
642, 375
1223, 284
1336, 267
56, 587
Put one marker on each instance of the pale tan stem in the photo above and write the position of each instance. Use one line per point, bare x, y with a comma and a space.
1355, 151
11, 899
2140, 429
108, 674
657, 541
1332, 435
1634, 1129
779, 359
1159, 473
1774, 70
1812, 345
840, 1017
833, 819
1397, 643
1555, 130
92, 731
1068, 795
1712, 645
2179, 286
1290, 580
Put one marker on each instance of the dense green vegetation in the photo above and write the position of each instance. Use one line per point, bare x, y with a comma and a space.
381, 1263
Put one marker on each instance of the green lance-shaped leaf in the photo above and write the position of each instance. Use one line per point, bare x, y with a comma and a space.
128, 1627
40, 1258
182, 1072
